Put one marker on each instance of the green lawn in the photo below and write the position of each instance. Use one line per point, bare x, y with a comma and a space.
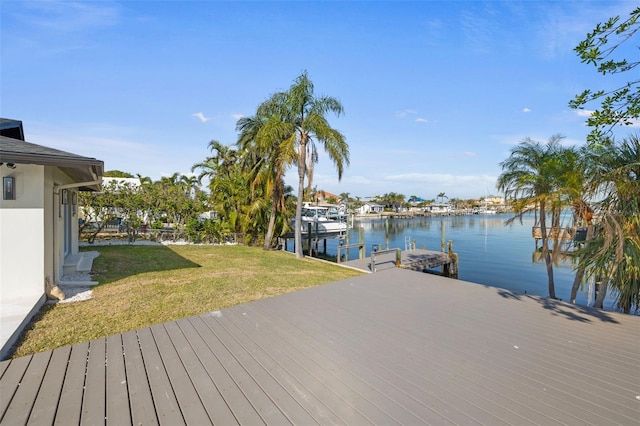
144, 285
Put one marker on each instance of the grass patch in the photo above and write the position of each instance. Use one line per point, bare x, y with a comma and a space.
144, 285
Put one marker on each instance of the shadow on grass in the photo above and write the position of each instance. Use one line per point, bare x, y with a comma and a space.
560, 308
120, 261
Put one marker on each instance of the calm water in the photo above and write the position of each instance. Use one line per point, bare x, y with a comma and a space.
490, 252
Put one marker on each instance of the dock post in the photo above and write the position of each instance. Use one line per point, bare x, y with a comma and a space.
361, 249
309, 239
442, 236
386, 233
398, 258
453, 269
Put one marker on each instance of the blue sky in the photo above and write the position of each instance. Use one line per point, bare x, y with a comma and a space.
435, 93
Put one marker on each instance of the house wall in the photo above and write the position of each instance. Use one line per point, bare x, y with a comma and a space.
21, 229
55, 212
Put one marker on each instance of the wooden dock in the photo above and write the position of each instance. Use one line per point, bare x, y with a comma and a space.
393, 347
414, 259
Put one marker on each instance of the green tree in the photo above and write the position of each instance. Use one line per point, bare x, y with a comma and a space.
264, 136
118, 174
532, 178
618, 106
442, 196
302, 117
612, 257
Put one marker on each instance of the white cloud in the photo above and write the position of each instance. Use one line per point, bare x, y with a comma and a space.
238, 116
200, 116
526, 110
470, 153
584, 113
421, 120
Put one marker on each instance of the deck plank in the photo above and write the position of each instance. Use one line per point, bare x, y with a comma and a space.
143, 411
46, 404
199, 336
118, 411
361, 388
208, 393
419, 378
163, 394
10, 381
94, 399
259, 400
27, 392
246, 353
70, 404
320, 400
190, 404
3, 368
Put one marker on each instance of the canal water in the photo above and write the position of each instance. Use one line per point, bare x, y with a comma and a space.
490, 252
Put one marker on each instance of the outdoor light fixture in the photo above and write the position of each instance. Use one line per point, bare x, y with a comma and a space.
65, 196
9, 188
11, 165
74, 201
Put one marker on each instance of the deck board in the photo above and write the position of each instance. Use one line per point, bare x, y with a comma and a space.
246, 355
94, 398
395, 347
24, 396
10, 381
190, 405
46, 403
139, 375
199, 336
210, 397
256, 395
282, 369
73, 386
117, 402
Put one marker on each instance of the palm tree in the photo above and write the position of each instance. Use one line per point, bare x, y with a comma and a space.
303, 119
530, 176
442, 196
225, 156
613, 255
263, 137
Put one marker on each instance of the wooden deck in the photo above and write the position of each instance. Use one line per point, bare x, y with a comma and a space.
416, 259
396, 347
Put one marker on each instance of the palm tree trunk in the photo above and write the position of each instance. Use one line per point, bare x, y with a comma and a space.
602, 292
545, 250
272, 223
301, 169
576, 284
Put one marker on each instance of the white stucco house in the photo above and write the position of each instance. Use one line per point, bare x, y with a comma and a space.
38, 223
370, 207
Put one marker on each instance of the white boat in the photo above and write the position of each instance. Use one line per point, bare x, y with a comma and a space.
323, 220
485, 210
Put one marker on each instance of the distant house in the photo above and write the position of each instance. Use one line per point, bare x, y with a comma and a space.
438, 208
38, 223
370, 207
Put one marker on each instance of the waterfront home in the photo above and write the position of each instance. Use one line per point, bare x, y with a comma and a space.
38, 223
438, 208
369, 207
